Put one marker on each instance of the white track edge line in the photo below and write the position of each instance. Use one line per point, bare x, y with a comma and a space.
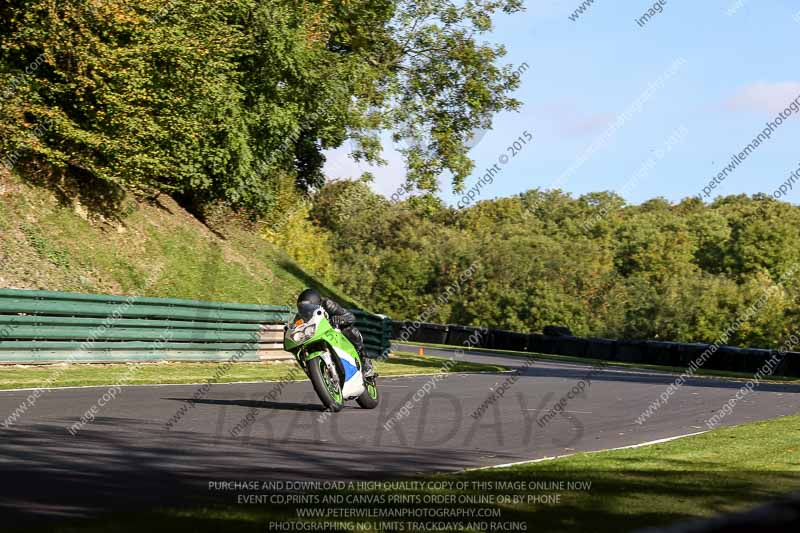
547, 459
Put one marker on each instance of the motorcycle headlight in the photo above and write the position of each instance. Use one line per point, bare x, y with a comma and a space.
304, 334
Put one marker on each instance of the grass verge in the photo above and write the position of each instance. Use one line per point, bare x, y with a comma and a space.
722, 471
78, 375
702, 372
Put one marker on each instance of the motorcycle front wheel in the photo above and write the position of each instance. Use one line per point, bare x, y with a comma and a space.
370, 398
326, 385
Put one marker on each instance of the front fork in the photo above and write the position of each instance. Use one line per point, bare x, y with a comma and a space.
325, 356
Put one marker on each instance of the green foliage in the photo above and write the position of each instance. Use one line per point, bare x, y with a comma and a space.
215, 99
288, 226
447, 83
681, 272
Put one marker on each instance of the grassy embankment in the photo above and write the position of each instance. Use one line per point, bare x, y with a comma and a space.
148, 248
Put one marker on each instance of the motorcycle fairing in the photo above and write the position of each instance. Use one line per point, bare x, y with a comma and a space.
353, 385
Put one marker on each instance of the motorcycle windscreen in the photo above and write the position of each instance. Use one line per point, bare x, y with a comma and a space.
305, 312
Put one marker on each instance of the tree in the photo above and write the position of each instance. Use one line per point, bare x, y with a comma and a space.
443, 84
682, 272
211, 100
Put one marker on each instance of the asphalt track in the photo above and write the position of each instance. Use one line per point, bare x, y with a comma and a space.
128, 458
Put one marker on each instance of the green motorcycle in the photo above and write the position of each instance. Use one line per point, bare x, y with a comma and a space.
329, 359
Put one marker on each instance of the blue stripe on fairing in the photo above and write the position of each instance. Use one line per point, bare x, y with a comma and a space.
349, 369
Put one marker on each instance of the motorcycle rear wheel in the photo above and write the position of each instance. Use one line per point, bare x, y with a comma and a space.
327, 387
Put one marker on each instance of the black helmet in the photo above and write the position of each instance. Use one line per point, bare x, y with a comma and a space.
309, 296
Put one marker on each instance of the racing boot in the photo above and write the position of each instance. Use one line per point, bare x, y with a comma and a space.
366, 367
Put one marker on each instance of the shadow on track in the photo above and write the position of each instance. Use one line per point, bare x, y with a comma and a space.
118, 464
281, 406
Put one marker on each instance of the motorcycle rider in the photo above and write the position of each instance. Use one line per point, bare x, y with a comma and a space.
343, 319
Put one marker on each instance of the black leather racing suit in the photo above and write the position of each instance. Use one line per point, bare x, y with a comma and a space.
345, 321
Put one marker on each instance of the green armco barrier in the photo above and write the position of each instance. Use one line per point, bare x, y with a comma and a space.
126, 356
135, 310
44, 327
377, 332
126, 334
103, 298
10, 320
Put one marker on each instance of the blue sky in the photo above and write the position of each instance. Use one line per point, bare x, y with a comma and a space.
740, 70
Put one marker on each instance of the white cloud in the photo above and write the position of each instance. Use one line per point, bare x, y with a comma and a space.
388, 178
569, 122
764, 96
